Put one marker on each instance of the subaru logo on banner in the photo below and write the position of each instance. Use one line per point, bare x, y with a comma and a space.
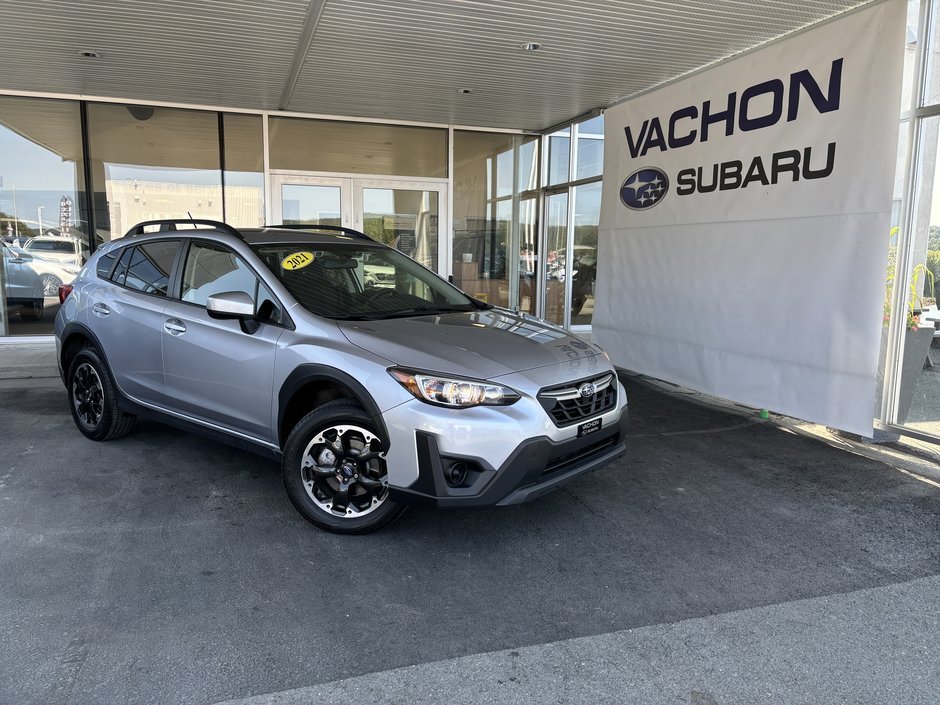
644, 188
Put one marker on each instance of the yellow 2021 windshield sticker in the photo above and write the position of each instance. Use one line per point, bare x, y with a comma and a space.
298, 260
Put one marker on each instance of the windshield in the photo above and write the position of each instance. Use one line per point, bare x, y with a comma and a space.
352, 282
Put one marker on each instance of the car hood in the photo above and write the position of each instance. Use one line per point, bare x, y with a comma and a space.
481, 344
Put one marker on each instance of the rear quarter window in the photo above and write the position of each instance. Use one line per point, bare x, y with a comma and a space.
103, 268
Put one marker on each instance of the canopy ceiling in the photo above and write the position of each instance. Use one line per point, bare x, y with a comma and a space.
400, 59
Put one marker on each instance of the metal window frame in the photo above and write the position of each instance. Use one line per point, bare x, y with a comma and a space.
570, 186
904, 263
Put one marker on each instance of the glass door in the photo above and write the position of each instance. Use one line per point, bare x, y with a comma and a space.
311, 200
405, 215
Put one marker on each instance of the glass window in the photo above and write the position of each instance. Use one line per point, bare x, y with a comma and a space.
404, 219
504, 173
244, 170
51, 246
121, 270
572, 264
361, 148
919, 388
41, 193
149, 267
590, 151
483, 218
528, 253
104, 264
559, 153
932, 83
490, 171
528, 164
587, 216
556, 242
311, 204
151, 163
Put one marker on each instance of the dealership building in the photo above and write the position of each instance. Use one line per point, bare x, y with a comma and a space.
735, 197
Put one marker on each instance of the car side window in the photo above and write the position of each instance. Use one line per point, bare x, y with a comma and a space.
121, 270
145, 268
105, 262
150, 265
212, 269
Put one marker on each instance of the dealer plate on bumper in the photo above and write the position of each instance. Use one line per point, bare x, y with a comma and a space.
589, 427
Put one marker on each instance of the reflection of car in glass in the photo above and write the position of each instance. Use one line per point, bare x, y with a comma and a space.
371, 397
59, 248
377, 274
22, 286
52, 273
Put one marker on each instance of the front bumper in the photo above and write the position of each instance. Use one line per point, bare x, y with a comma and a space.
537, 466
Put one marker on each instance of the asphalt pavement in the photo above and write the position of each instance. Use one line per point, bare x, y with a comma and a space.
725, 559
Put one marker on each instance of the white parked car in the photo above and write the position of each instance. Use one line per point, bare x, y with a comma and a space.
53, 274
59, 248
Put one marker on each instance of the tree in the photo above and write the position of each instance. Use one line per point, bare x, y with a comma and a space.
17, 225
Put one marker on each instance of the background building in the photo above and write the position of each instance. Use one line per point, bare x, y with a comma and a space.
479, 128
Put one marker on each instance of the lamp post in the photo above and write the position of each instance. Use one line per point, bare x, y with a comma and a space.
39, 211
16, 222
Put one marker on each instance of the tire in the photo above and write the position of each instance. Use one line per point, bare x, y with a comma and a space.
334, 470
50, 284
34, 312
93, 398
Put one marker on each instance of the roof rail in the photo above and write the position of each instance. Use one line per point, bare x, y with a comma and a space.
310, 226
171, 223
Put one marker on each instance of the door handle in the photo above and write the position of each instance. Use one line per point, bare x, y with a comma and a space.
174, 326
101, 310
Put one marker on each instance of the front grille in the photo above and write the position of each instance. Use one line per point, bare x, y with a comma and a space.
567, 406
563, 462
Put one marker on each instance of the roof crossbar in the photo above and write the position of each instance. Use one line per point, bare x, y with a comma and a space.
310, 226
171, 223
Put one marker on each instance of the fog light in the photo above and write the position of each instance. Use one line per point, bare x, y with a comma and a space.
456, 474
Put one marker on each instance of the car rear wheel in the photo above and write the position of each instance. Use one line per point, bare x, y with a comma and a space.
334, 470
93, 399
50, 284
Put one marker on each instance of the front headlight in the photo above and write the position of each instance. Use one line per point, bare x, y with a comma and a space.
453, 392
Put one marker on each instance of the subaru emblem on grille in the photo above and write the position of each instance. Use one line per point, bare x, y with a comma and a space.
587, 389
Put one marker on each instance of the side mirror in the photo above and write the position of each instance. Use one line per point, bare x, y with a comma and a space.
234, 305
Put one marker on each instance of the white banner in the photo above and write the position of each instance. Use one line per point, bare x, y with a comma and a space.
745, 217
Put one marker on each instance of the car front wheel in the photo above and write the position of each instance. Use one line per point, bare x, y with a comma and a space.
93, 399
334, 470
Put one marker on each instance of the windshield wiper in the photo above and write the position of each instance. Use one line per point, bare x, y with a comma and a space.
429, 310
359, 317
403, 313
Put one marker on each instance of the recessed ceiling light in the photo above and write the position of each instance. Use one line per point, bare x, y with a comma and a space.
89, 54
464, 91
531, 46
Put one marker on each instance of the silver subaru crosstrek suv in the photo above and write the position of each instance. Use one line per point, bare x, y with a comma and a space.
374, 392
